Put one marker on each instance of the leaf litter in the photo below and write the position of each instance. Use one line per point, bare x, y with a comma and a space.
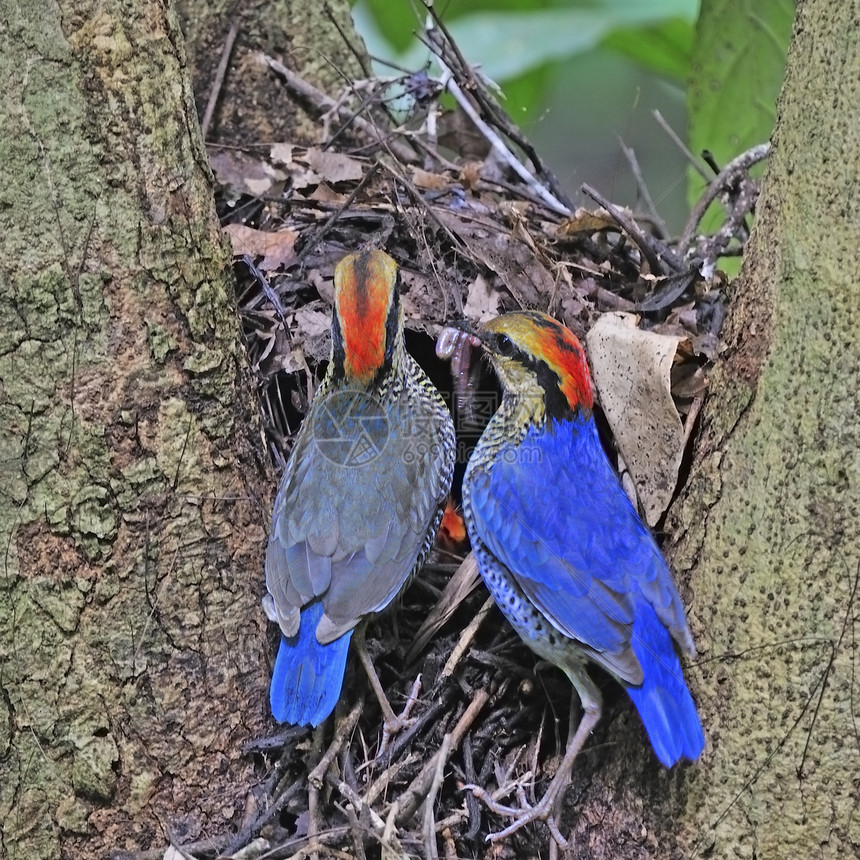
478, 226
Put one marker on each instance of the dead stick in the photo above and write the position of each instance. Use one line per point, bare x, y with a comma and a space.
218, 81
737, 166
409, 801
438, 776
325, 103
344, 729
659, 255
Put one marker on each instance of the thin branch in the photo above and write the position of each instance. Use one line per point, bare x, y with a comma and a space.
658, 254
300, 87
220, 74
441, 40
673, 136
636, 170
736, 169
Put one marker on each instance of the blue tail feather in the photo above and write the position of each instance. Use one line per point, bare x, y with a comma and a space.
663, 700
308, 676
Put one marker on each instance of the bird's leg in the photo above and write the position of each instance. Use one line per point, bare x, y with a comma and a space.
392, 723
546, 809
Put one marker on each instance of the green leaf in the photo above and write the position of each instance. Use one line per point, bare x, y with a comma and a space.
508, 42
736, 72
665, 49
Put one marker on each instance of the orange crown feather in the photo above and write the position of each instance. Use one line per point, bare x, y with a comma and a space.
364, 285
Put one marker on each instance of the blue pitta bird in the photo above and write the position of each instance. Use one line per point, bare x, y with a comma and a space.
361, 497
564, 553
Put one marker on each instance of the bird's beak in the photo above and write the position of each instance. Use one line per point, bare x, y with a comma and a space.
476, 333
465, 325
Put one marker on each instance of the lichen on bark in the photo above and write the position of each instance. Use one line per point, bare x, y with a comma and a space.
132, 498
769, 529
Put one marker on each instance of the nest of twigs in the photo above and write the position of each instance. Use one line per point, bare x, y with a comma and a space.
473, 238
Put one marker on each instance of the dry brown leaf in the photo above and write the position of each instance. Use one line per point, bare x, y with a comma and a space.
333, 166
527, 280
246, 175
277, 248
688, 381
427, 181
422, 298
310, 322
632, 372
482, 302
324, 193
310, 330
586, 221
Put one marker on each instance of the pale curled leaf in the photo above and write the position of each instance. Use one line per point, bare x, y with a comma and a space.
333, 166
281, 153
277, 248
483, 301
632, 374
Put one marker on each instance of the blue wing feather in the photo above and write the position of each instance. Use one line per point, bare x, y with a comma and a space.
663, 700
308, 676
554, 513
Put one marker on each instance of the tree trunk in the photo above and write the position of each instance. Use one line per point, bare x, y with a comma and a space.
767, 534
133, 657
769, 530
316, 40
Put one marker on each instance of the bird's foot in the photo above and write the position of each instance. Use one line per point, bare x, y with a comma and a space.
525, 813
395, 723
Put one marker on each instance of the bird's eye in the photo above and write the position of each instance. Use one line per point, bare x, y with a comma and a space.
505, 346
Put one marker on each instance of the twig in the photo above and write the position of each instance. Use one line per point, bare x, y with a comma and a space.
658, 254
697, 166
692, 415
344, 730
408, 802
356, 800
472, 806
438, 776
403, 739
325, 103
281, 798
636, 170
447, 80
441, 40
466, 638
384, 780
499, 147
734, 170
218, 81
317, 235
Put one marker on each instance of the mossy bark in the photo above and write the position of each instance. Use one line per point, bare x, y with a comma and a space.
315, 39
133, 660
769, 530
766, 538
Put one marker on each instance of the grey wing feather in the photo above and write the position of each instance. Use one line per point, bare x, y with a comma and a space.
351, 534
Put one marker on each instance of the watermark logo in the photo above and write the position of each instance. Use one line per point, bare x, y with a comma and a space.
351, 428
